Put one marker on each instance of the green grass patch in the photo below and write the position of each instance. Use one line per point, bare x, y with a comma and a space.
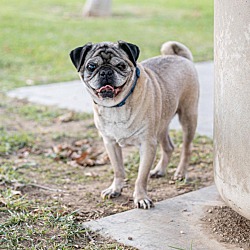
40, 223
37, 226
27, 223
38, 113
13, 141
46, 225
9, 175
47, 115
36, 38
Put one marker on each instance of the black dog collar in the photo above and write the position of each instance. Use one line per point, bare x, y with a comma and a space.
137, 75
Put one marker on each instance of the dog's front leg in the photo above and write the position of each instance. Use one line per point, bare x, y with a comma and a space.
115, 155
147, 156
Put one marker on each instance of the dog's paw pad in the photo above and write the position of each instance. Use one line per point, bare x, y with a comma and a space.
109, 194
144, 204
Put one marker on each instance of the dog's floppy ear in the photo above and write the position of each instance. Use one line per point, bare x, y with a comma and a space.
78, 55
131, 50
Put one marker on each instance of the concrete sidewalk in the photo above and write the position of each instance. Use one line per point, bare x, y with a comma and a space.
74, 96
173, 224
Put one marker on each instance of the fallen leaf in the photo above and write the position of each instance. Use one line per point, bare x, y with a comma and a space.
80, 143
57, 149
81, 152
68, 117
75, 156
80, 160
103, 159
89, 163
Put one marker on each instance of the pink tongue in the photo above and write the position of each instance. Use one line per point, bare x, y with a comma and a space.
106, 88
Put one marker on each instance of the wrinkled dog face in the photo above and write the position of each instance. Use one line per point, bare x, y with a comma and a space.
105, 67
106, 73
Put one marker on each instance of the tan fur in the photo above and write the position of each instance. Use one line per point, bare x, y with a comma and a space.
176, 48
168, 85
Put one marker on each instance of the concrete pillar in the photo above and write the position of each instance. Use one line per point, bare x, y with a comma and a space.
232, 103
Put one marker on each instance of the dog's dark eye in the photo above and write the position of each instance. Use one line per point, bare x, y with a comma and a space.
121, 66
91, 67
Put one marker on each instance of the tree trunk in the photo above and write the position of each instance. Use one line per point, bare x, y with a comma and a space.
97, 8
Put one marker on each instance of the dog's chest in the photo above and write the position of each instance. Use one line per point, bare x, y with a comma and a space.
117, 123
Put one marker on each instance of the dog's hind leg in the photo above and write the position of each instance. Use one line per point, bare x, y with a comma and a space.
167, 148
188, 120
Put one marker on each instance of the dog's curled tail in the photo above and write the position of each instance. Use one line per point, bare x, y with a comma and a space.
176, 48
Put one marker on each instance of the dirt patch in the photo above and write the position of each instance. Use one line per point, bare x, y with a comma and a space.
228, 226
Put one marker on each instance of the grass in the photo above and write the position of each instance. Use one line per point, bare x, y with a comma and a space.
10, 142
9, 174
31, 225
45, 114
36, 38
27, 223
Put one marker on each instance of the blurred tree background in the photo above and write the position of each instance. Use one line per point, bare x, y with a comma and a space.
97, 8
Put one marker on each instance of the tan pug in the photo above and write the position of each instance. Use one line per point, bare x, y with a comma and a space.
134, 104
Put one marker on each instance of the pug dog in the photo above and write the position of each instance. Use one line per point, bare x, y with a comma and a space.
134, 103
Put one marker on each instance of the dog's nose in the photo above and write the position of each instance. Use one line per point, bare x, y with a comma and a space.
106, 73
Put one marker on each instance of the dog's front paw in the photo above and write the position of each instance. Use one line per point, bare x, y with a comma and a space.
110, 193
156, 173
144, 203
